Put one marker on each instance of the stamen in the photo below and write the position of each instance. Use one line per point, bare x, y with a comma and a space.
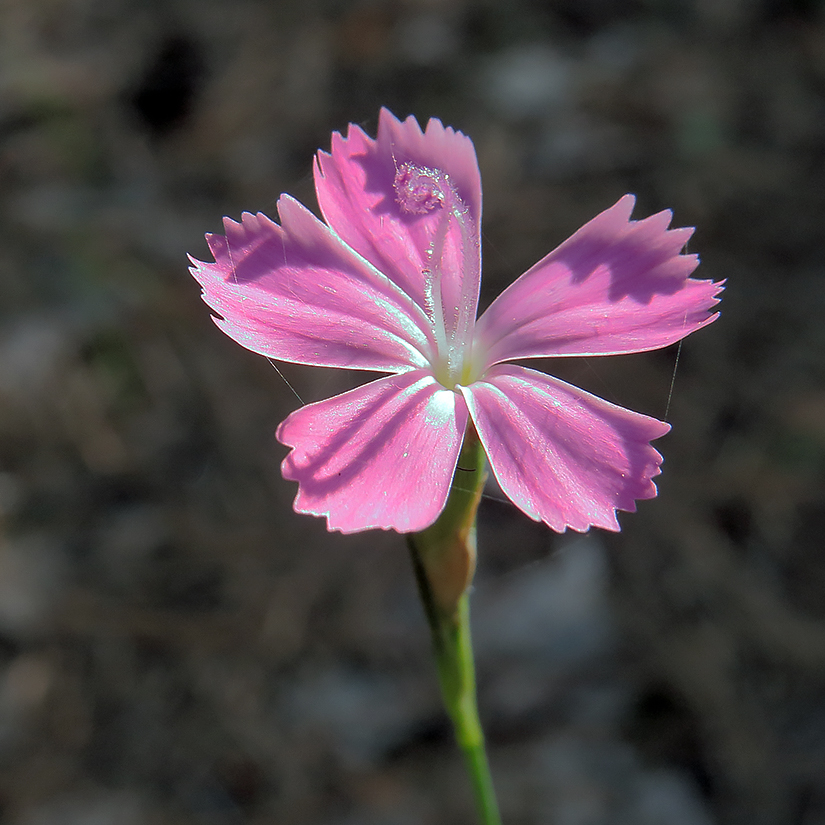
420, 190
435, 255
465, 320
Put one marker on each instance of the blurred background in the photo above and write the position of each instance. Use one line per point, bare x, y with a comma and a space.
177, 646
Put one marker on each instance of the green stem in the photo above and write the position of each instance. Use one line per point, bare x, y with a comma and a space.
444, 560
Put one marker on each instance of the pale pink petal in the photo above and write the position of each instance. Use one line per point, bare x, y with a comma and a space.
382, 455
562, 455
360, 188
615, 286
296, 292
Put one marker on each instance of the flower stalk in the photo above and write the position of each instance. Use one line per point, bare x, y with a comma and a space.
444, 558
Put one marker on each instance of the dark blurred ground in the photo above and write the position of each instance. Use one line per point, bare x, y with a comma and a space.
177, 646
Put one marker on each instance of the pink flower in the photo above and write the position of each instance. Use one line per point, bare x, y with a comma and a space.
390, 283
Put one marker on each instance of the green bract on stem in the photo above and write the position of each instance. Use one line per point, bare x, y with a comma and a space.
444, 559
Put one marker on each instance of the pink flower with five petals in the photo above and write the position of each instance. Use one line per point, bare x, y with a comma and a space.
390, 283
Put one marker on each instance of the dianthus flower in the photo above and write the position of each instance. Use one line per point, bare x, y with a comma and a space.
390, 283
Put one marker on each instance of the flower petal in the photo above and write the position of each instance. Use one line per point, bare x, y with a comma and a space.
562, 455
296, 292
382, 455
615, 286
362, 195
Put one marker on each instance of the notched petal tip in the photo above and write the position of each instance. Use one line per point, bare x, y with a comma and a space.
658, 221
387, 120
623, 208
230, 225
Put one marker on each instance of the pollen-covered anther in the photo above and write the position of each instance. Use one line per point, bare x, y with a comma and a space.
418, 190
